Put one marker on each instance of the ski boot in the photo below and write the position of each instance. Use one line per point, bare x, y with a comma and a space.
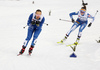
75, 44
61, 42
31, 49
22, 50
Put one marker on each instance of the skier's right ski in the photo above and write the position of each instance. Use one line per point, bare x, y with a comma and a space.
61, 42
71, 44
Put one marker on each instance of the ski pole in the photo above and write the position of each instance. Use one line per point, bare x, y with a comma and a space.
25, 26
65, 20
46, 24
96, 13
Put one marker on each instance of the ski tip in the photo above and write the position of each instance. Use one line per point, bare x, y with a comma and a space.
59, 19
73, 55
60, 43
29, 54
18, 54
68, 45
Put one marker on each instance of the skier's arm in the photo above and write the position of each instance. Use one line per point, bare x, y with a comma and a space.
89, 16
73, 13
71, 16
41, 23
42, 20
30, 19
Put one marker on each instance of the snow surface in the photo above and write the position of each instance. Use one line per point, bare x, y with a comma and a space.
47, 54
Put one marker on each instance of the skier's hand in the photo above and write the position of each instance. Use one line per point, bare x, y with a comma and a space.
89, 24
37, 23
33, 22
73, 21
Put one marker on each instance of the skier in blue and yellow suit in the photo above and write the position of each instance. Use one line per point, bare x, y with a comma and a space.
35, 23
81, 22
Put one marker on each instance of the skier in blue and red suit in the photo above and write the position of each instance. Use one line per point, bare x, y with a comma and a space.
35, 23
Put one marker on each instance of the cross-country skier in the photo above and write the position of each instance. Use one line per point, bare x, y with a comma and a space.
81, 22
35, 23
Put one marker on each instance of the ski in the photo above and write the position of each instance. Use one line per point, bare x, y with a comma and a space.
68, 44
60, 42
73, 48
19, 54
71, 45
98, 41
27, 54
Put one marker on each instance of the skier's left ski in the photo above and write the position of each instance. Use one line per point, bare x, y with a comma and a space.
29, 54
73, 47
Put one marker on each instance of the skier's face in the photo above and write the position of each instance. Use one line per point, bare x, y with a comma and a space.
82, 11
38, 15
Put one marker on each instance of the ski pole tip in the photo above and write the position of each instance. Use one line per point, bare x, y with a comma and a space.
24, 27
47, 24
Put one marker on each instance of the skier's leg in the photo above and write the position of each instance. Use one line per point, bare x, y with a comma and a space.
36, 34
75, 25
82, 26
29, 36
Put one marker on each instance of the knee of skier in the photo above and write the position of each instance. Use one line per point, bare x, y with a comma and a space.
28, 38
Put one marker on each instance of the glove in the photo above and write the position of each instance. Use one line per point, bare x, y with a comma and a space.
73, 21
33, 22
89, 24
37, 23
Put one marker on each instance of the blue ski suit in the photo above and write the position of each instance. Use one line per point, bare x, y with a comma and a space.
36, 29
81, 21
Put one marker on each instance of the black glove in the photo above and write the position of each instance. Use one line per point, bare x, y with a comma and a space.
37, 22
73, 21
33, 22
89, 24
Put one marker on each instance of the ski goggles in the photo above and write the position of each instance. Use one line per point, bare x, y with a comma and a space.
38, 15
82, 10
